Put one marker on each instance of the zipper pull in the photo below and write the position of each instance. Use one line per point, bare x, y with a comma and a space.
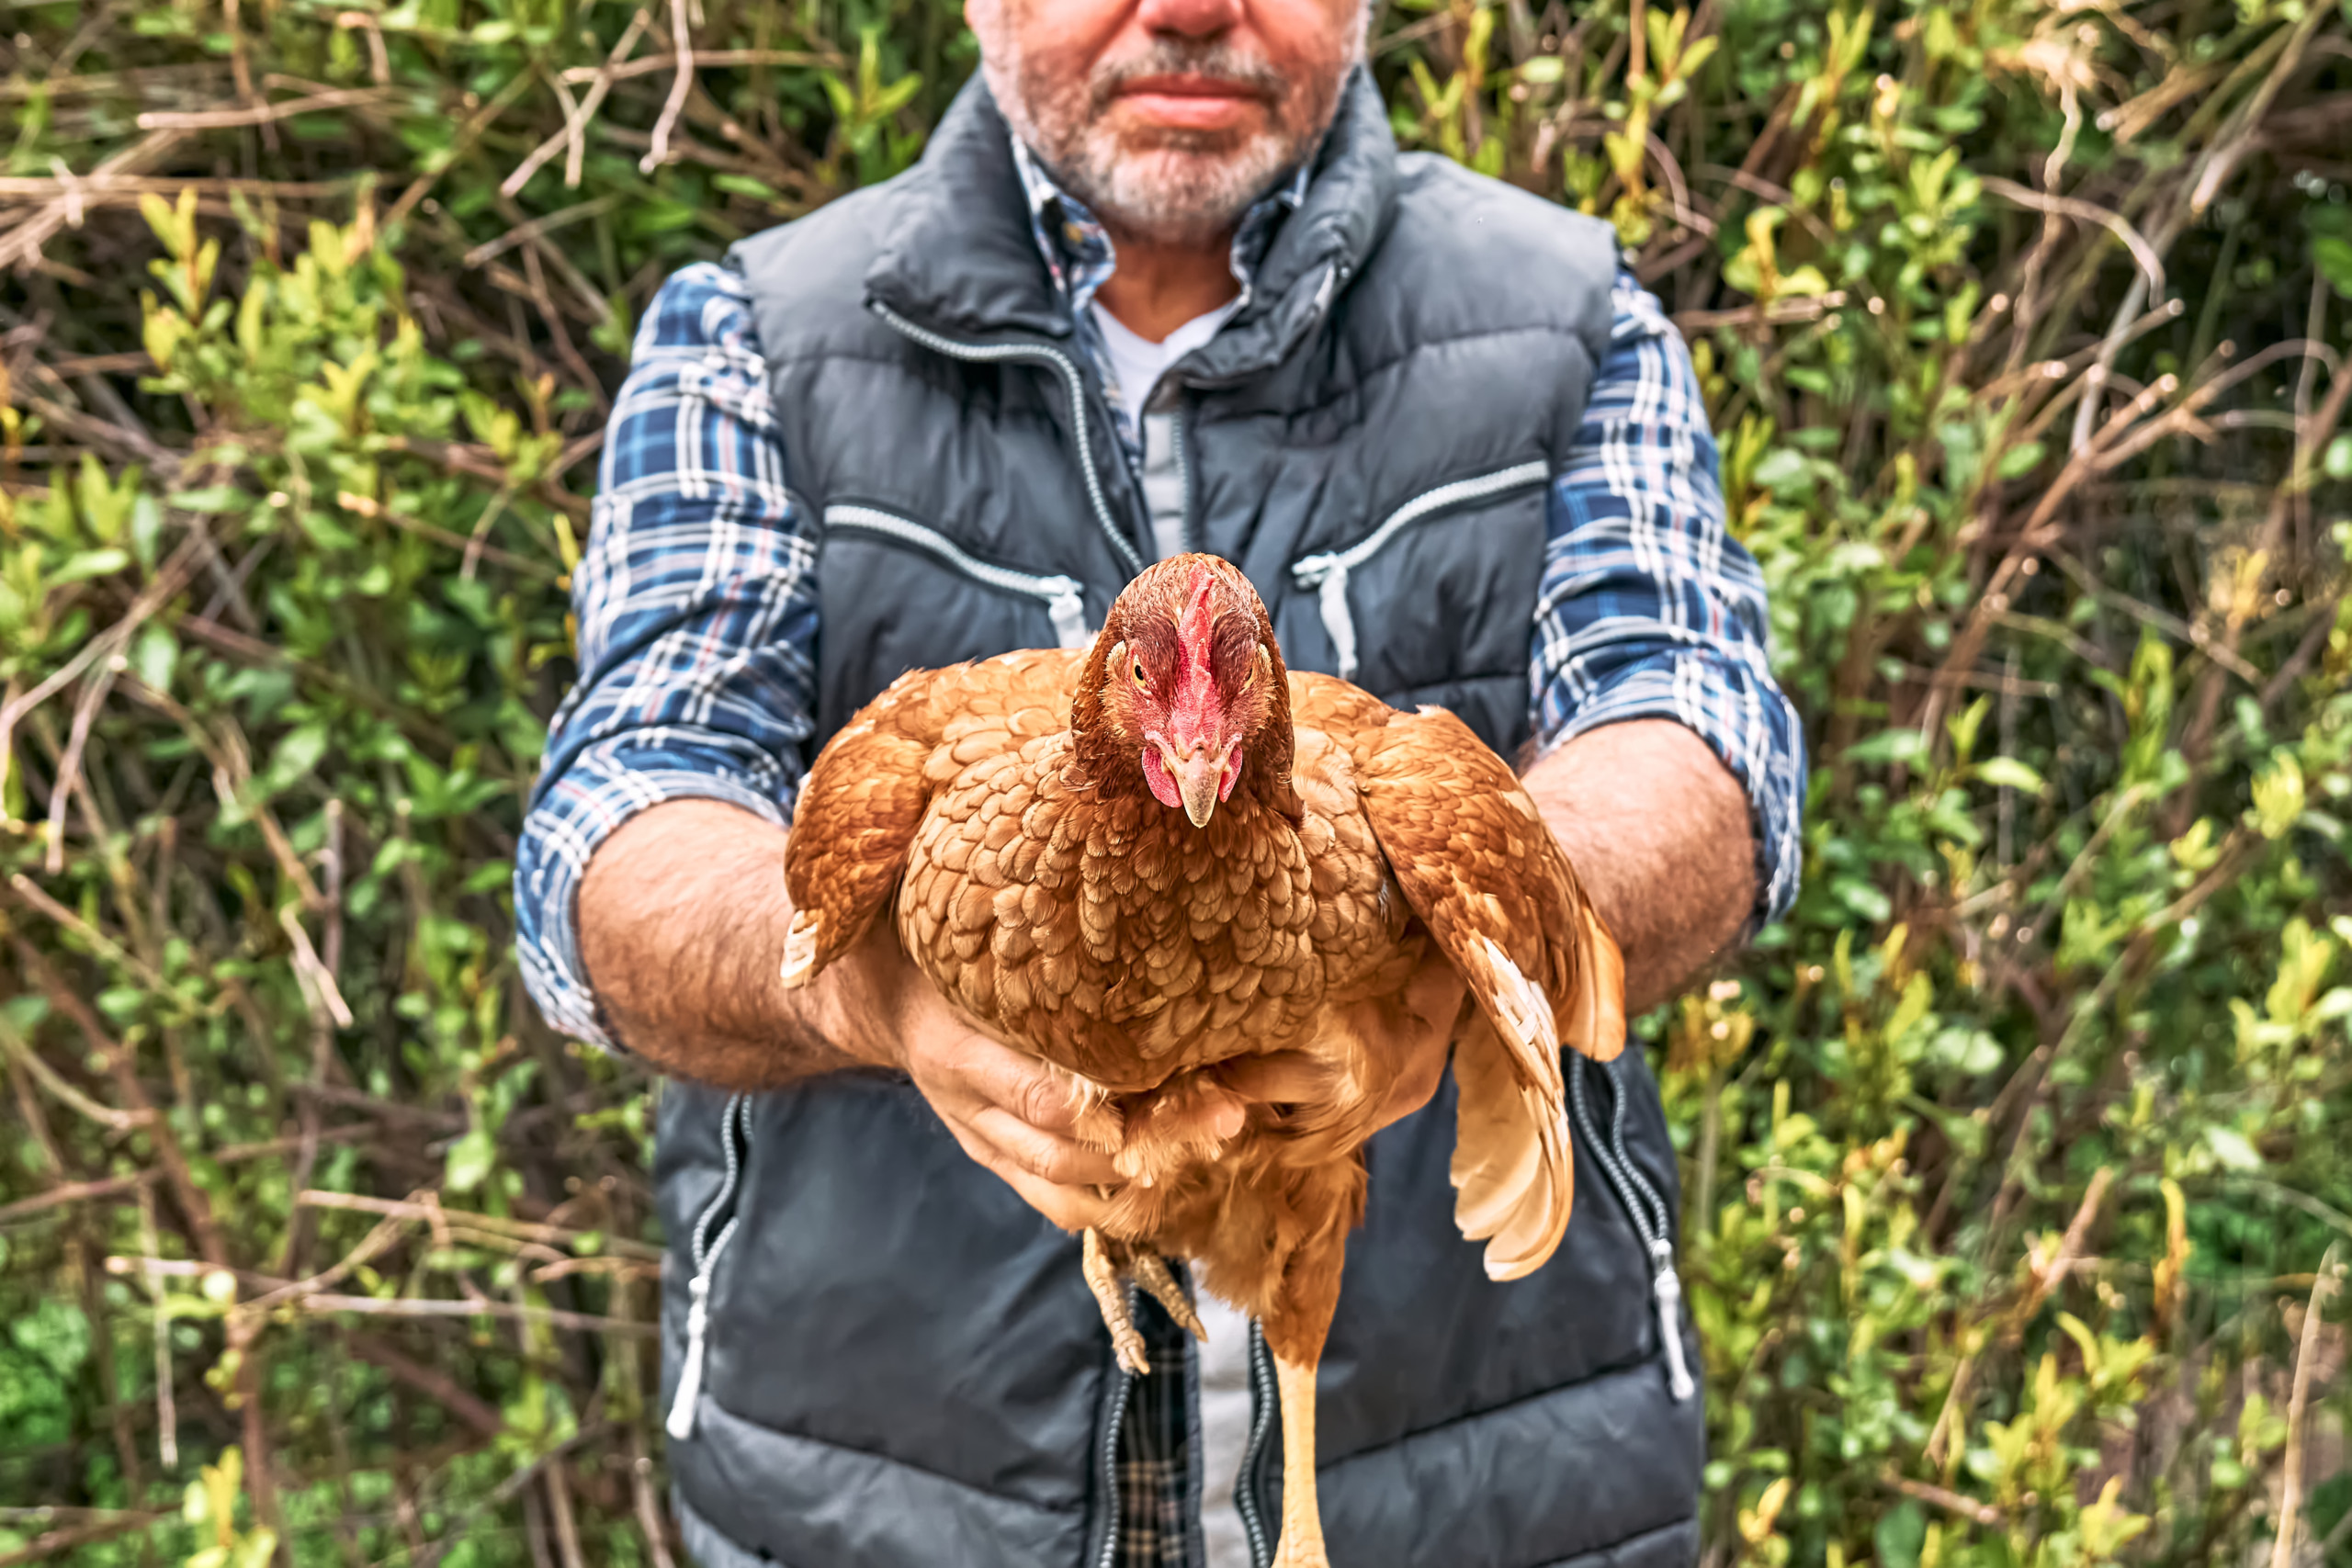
1668, 1287
1068, 607
680, 1424
1329, 574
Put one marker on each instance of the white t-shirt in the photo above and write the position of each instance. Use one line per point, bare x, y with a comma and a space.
1136, 364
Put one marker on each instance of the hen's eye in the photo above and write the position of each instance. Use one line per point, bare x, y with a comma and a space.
1139, 676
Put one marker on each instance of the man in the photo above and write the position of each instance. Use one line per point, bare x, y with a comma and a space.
1161, 282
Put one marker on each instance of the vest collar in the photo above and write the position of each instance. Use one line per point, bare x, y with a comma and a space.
960, 257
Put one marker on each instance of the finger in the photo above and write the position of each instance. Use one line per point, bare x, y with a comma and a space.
998, 1076
1063, 1161
1071, 1208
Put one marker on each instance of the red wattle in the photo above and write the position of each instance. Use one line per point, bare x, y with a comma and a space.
1232, 772
1162, 783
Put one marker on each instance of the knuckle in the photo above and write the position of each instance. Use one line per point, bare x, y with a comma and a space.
1054, 1164
1039, 1102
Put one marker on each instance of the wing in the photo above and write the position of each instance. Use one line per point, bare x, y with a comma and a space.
865, 796
1489, 880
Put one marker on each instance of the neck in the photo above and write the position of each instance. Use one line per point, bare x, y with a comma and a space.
1160, 286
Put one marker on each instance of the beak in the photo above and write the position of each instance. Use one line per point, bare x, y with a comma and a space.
1197, 777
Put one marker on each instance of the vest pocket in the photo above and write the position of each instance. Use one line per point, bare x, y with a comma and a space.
1326, 575
1064, 597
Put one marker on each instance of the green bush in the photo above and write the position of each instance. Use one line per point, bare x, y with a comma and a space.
2015, 1159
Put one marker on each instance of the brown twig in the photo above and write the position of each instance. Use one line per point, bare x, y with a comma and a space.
573, 137
658, 153
2290, 1491
267, 113
1951, 1502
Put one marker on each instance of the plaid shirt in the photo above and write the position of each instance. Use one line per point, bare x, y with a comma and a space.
697, 615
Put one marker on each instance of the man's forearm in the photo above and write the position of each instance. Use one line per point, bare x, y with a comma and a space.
682, 914
1657, 830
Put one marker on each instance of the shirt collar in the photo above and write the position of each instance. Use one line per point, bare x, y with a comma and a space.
1078, 249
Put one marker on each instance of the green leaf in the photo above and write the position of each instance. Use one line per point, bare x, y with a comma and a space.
84, 564
1781, 467
298, 753
2278, 795
1890, 745
2230, 1147
212, 498
2021, 459
1901, 1535
1963, 726
153, 655
471, 1159
2008, 772
2332, 255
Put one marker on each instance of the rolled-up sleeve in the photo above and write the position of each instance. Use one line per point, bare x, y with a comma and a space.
1648, 608
696, 600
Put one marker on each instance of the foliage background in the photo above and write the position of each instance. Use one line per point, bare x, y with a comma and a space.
2016, 1160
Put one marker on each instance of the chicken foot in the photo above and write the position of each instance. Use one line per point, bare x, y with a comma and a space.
1109, 1265
1152, 1273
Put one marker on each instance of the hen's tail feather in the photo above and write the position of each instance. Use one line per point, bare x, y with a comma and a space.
1514, 1168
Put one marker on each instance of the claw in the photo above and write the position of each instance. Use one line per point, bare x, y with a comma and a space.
1150, 1270
1105, 1279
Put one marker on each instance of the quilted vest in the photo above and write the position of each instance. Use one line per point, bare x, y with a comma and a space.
876, 1356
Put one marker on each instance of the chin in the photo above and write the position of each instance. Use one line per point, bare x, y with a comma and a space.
1172, 182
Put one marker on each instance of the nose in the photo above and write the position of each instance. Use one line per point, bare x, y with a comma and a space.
1189, 18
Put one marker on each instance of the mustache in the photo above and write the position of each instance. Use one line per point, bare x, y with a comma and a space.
1217, 62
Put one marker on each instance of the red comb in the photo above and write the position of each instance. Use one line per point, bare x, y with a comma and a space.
1194, 627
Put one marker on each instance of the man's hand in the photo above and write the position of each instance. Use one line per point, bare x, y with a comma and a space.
1403, 1057
1008, 1111
683, 917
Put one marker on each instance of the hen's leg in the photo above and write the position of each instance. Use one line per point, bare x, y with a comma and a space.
1151, 1272
1302, 1534
1107, 1279
1295, 1328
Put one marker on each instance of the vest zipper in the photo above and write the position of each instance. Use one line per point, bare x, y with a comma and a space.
1328, 572
990, 354
737, 1111
1646, 1207
1188, 531
1064, 597
1119, 1397
1264, 1400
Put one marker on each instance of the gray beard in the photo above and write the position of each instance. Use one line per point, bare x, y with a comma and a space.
1185, 188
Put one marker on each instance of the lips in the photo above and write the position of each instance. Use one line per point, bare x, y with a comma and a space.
1192, 101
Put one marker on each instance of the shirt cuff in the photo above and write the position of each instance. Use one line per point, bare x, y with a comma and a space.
573, 816
1747, 723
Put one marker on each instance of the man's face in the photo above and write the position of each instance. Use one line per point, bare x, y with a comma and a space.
1168, 117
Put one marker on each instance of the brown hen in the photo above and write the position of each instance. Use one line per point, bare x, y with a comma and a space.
1201, 887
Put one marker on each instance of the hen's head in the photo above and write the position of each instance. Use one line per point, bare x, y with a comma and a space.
1186, 693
